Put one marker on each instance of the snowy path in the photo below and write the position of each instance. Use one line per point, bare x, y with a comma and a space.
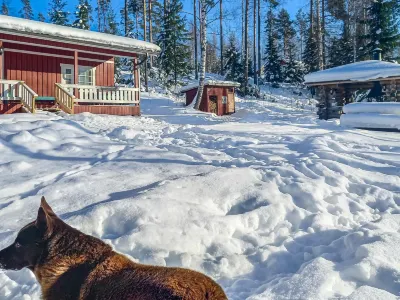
270, 202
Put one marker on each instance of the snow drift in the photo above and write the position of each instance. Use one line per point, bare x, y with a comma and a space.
270, 202
374, 115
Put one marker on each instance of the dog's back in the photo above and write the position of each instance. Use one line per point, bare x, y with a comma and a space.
117, 277
120, 278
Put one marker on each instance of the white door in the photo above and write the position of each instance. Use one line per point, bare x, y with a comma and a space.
67, 74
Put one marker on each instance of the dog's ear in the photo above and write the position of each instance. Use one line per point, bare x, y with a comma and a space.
45, 217
46, 207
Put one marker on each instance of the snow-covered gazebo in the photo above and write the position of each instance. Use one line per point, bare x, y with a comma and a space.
335, 87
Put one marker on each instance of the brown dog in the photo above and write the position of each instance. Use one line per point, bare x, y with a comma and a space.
71, 265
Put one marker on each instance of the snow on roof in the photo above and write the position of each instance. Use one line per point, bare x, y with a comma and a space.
210, 82
74, 35
360, 71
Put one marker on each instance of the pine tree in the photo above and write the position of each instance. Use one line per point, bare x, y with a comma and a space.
301, 25
292, 71
233, 68
83, 15
26, 11
383, 25
286, 32
111, 22
57, 13
174, 60
273, 72
310, 56
341, 52
102, 11
4, 8
41, 17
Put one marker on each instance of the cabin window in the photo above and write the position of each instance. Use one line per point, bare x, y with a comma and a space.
86, 75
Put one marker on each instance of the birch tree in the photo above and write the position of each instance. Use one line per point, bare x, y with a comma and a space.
205, 6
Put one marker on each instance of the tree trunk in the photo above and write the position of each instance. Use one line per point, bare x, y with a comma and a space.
98, 16
196, 69
221, 40
246, 46
146, 75
312, 18
259, 39
255, 42
150, 27
126, 18
319, 40
243, 30
203, 45
323, 35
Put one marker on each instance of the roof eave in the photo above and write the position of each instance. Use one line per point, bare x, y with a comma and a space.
351, 81
128, 50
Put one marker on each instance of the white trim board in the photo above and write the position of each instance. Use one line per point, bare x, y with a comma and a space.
61, 48
58, 56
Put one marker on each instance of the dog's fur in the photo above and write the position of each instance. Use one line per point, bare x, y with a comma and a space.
71, 265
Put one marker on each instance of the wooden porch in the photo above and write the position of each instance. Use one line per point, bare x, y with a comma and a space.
16, 96
74, 98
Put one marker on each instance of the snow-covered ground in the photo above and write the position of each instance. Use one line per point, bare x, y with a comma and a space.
270, 202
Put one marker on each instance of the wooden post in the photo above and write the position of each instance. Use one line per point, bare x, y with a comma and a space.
1, 67
136, 75
1, 60
76, 72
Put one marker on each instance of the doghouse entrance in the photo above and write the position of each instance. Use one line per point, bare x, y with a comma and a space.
214, 104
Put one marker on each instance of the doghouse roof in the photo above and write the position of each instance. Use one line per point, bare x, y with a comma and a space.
362, 71
59, 33
210, 82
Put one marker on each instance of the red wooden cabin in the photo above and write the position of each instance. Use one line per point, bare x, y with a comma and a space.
218, 96
42, 64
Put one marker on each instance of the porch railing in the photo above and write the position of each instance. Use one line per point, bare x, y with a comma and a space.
14, 90
64, 98
102, 94
28, 97
9, 89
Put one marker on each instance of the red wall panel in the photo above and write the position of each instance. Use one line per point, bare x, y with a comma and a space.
41, 72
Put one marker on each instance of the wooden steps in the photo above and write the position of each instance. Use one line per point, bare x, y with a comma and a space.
10, 107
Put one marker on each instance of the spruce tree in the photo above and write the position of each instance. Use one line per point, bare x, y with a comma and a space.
341, 50
4, 8
286, 32
57, 13
41, 17
310, 55
174, 60
83, 15
273, 72
26, 11
383, 25
111, 22
233, 68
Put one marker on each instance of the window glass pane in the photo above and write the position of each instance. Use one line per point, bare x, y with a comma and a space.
85, 76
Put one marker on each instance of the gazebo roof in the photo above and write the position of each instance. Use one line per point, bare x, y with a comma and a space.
363, 71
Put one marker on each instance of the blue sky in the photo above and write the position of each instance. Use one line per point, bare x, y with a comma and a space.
233, 22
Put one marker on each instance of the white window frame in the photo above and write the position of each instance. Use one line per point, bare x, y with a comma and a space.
64, 67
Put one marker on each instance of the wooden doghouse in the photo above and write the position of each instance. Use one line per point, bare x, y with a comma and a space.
218, 96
